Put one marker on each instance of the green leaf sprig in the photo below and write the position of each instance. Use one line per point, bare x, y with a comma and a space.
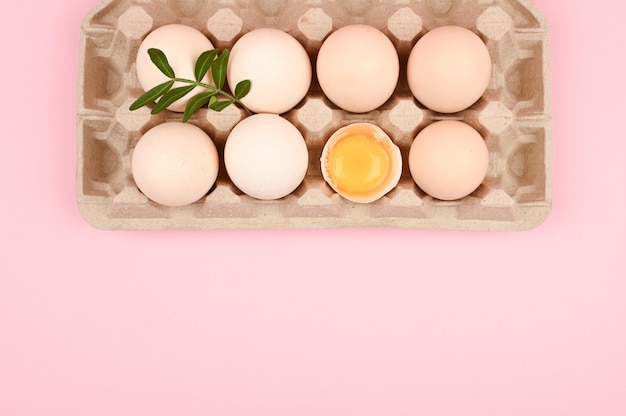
166, 95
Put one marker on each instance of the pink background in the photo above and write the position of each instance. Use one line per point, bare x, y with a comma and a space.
317, 322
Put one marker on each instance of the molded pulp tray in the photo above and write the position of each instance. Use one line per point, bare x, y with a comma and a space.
513, 116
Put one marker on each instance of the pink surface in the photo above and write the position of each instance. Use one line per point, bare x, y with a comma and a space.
333, 322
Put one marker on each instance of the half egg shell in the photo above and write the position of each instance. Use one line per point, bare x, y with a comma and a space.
361, 162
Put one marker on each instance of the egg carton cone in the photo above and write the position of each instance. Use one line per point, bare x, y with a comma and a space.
513, 116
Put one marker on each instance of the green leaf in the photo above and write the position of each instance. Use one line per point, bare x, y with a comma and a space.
213, 100
196, 102
204, 62
220, 105
219, 69
150, 96
160, 60
171, 97
242, 89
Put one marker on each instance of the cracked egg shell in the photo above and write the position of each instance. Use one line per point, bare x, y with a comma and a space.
361, 163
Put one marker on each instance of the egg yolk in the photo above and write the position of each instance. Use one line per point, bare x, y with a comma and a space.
359, 163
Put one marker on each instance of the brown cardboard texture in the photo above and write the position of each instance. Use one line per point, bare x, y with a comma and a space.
513, 116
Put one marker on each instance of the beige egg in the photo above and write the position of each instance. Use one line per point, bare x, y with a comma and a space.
448, 160
277, 66
266, 156
449, 69
361, 162
182, 46
175, 164
358, 68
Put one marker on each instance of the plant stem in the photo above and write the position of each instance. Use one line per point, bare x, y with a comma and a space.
213, 88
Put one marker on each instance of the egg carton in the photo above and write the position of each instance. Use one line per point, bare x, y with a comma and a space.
513, 116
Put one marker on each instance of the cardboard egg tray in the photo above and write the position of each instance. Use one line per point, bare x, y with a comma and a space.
513, 116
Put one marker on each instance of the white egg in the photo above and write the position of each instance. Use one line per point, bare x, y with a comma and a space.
266, 156
175, 164
182, 46
278, 67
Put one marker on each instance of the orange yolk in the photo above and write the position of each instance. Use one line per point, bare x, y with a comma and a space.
360, 164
